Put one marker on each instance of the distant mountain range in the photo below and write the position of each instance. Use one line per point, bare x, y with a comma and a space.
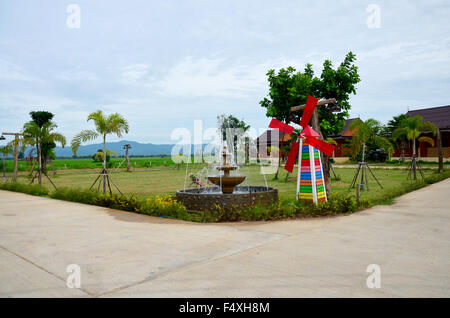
137, 149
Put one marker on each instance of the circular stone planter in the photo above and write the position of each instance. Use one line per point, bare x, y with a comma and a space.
204, 199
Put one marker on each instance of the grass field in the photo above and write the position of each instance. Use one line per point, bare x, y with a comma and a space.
88, 163
162, 179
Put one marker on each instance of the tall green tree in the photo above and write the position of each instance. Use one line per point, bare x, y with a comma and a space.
98, 156
401, 139
412, 128
40, 118
237, 127
5, 150
367, 133
38, 136
289, 87
104, 125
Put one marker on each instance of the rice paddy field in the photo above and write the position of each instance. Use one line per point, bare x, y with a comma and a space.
88, 163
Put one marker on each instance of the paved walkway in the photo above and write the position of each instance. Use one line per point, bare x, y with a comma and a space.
125, 254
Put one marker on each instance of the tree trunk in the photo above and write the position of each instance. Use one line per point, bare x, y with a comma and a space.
402, 156
44, 163
104, 164
53, 167
278, 168
4, 167
16, 156
128, 161
247, 155
414, 159
38, 148
439, 150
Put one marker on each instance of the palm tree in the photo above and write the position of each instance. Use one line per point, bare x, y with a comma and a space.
37, 136
109, 153
412, 128
367, 132
392, 125
5, 150
104, 125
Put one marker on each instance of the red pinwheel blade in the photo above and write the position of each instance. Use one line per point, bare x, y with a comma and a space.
311, 103
289, 166
308, 131
275, 123
320, 145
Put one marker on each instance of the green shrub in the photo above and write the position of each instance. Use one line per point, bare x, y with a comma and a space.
336, 204
119, 202
33, 189
167, 206
75, 195
436, 176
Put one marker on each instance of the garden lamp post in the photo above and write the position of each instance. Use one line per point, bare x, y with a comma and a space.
4, 166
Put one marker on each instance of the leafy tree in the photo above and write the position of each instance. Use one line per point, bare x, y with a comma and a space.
368, 133
288, 88
104, 125
98, 156
412, 128
5, 150
40, 118
39, 136
233, 125
401, 139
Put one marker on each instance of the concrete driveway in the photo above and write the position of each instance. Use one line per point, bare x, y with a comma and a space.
123, 254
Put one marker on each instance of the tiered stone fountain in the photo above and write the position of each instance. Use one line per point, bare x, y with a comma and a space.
226, 182
226, 193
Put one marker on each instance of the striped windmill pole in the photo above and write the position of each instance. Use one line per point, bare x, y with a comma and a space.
310, 178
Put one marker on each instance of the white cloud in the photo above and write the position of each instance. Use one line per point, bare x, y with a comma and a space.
131, 74
12, 72
218, 77
76, 76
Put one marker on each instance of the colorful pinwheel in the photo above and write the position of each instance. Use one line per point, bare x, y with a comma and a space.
310, 180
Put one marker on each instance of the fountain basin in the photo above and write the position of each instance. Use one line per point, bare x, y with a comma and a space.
206, 199
228, 183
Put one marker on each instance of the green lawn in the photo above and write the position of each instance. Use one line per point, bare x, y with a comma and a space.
88, 163
167, 179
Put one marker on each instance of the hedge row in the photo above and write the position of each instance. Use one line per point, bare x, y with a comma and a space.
167, 206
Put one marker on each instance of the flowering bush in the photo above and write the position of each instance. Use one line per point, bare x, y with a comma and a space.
165, 205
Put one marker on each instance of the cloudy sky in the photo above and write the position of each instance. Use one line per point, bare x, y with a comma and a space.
164, 64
